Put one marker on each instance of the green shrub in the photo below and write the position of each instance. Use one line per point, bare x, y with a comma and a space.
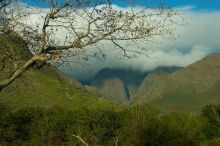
211, 115
214, 142
146, 126
139, 125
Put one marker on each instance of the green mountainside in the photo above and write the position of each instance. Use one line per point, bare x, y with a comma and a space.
186, 89
44, 87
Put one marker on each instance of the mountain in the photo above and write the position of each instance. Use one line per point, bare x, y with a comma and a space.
168, 88
117, 84
44, 87
121, 85
186, 89
108, 84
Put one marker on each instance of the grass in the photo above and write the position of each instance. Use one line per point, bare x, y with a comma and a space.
37, 89
42, 88
179, 100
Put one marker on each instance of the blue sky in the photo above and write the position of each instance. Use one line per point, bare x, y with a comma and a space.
212, 5
199, 4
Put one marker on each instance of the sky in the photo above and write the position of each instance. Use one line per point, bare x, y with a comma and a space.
197, 39
197, 4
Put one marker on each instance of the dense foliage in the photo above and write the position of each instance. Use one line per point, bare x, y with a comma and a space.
138, 125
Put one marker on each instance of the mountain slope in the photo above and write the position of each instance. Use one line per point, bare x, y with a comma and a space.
44, 87
117, 84
108, 84
122, 85
186, 89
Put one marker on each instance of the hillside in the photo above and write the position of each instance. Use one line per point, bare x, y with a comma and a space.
109, 85
118, 84
168, 88
186, 89
44, 87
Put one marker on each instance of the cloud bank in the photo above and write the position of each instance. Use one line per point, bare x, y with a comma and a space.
199, 37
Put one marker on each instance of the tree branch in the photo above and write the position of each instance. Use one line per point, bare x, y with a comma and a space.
21, 70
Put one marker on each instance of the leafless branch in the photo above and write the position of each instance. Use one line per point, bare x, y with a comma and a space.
70, 29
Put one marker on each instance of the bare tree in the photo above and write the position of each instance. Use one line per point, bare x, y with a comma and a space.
4, 3
69, 29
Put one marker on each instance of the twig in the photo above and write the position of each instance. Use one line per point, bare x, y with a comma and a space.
76, 136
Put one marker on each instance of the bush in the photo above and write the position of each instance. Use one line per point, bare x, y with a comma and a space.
214, 142
148, 127
139, 125
181, 130
211, 115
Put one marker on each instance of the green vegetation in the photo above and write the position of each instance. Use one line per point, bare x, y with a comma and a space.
44, 87
45, 107
175, 90
138, 125
35, 88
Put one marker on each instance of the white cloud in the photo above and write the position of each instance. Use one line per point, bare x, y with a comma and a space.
199, 37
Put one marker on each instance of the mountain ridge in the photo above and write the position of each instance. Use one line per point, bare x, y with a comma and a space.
184, 86
174, 84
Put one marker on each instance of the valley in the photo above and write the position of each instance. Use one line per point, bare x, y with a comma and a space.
167, 88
